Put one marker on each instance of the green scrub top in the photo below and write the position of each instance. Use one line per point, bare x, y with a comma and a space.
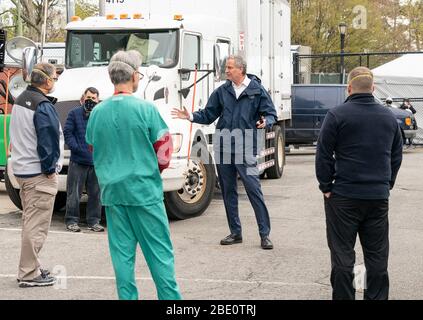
122, 131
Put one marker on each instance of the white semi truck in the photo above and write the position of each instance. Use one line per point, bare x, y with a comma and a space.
176, 38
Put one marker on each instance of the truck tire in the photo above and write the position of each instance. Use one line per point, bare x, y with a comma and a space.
197, 193
278, 143
12, 192
14, 196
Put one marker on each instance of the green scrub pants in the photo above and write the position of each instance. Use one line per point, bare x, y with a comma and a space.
148, 226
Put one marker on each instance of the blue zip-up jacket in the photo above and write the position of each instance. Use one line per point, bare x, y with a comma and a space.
242, 113
35, 135
359, 150
47, 126
74, 132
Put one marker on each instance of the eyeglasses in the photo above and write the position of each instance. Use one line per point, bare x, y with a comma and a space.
54, 79
140, 74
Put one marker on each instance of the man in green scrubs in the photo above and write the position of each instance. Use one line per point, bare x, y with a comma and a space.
131, 146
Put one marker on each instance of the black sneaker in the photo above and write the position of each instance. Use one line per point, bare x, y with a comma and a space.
96, 228
73, 228
266, 244
39, 281
44, 273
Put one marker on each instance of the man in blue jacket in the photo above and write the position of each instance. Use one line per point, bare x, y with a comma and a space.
36, 140
81, 167
244, 108
359, 153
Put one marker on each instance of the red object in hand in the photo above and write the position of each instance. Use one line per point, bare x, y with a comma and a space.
164, 151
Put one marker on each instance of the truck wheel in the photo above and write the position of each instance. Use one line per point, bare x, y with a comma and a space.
12, 192
278, 143
14, 196
60, 201
195, 196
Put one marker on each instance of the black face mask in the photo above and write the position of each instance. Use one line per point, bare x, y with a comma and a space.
89, 105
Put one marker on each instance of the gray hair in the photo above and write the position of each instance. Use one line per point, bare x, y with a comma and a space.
239, 63
42, 72
123, 65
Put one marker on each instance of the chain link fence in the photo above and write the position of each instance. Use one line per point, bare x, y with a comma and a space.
53, 53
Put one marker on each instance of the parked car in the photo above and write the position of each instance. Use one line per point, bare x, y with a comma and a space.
311, 102
406, 120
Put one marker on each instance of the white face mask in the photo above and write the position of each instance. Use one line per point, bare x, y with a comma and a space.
52, 89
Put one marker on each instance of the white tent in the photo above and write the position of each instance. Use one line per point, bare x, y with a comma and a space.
408, 65
403, 78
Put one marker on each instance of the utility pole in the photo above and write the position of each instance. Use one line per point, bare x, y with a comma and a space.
44, 28
102, 8
70, 10
342, 32
19, 31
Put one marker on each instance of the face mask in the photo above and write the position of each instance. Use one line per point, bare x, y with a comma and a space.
89, 105
52, 89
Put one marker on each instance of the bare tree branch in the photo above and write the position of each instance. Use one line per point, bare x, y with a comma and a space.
4, 12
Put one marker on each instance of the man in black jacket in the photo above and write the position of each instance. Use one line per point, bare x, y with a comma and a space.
406, 105
359, 153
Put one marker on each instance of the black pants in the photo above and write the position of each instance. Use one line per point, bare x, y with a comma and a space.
345, 218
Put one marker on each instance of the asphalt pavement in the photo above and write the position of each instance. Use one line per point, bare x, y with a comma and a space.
298, 267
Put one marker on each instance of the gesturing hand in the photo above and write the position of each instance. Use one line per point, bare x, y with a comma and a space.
180, 114
261, 124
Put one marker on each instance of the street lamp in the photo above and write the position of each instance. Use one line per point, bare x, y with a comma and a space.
342, 32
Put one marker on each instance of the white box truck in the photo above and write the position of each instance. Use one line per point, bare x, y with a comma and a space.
175, 36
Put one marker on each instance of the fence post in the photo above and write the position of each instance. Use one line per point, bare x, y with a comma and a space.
296, 62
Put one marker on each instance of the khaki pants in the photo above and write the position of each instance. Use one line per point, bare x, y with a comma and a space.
37, 196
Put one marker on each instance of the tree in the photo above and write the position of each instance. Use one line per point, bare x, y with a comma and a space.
32, 15
315, 24
84, 9
412, 12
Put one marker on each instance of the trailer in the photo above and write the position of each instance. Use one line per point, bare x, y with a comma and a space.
181, 41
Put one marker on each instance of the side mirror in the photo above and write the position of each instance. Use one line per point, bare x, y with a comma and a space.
29, 60
185, 74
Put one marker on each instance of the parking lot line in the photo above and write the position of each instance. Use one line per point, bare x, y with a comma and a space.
241, 282
53, 232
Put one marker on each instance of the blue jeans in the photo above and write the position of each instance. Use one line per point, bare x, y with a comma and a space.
228, 177
80, 176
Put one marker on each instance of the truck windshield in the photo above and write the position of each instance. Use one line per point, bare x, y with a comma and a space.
88, 49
